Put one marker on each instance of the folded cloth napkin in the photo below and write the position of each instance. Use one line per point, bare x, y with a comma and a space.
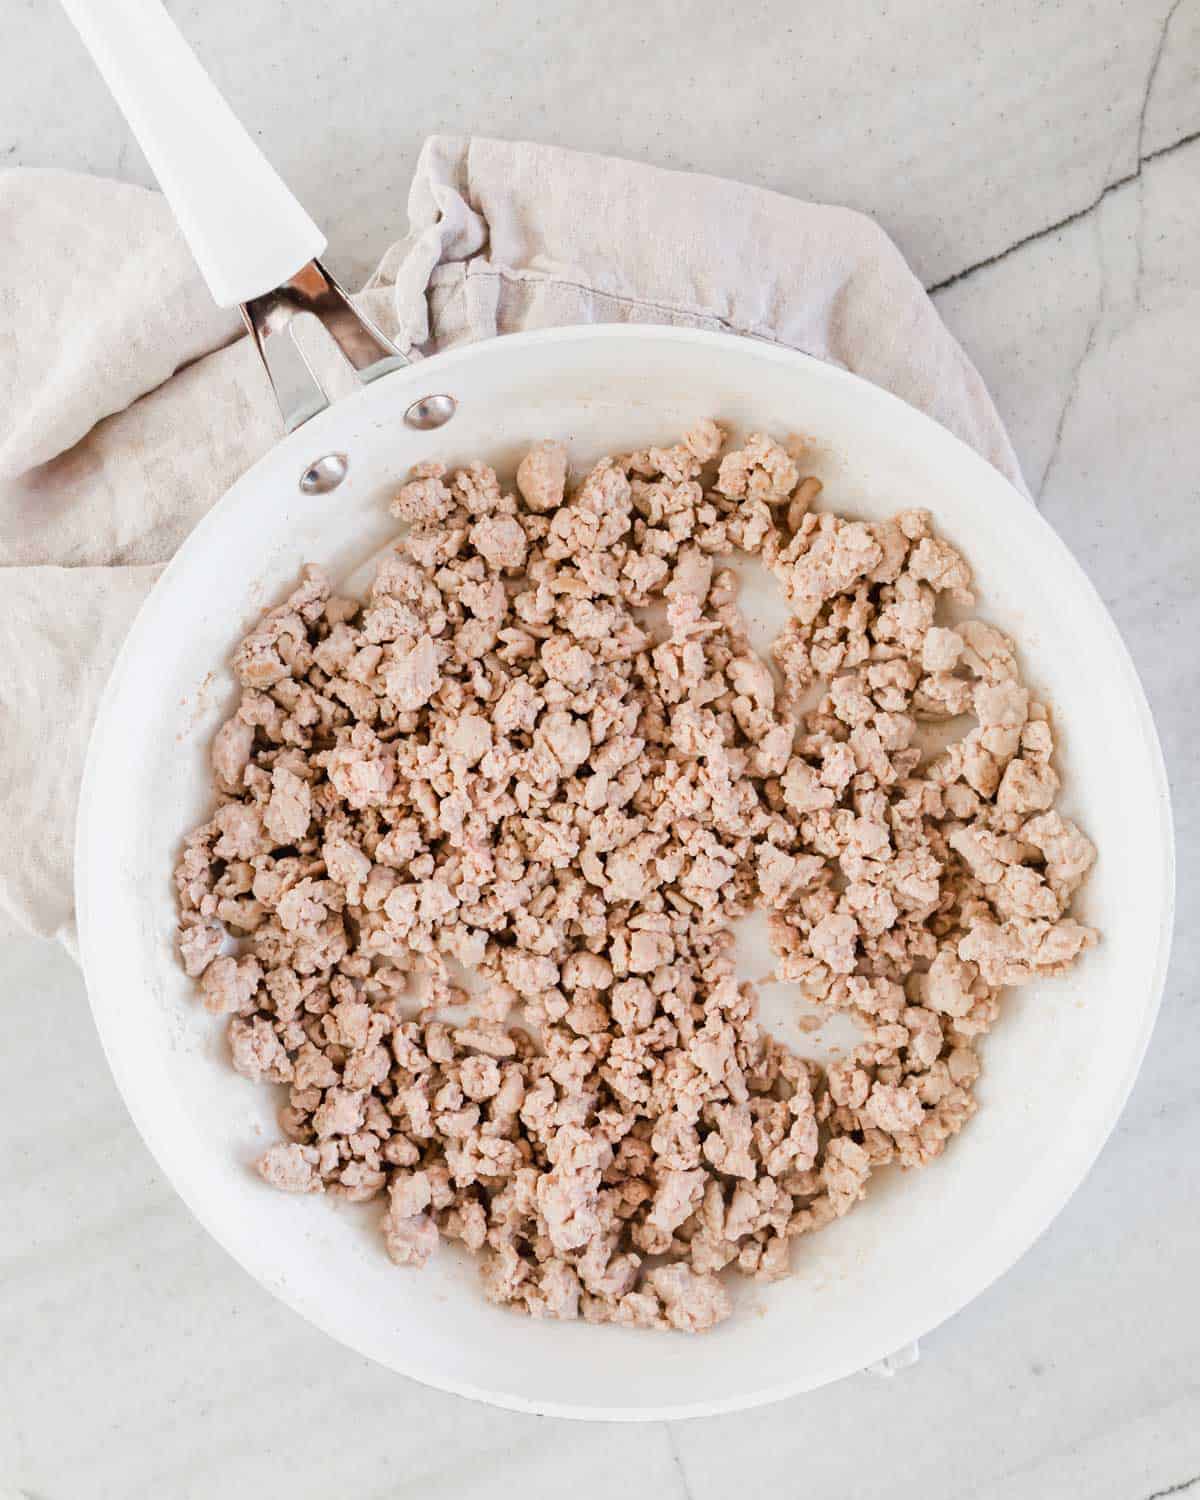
129, 403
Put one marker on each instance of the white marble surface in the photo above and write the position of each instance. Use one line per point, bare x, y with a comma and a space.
1056, 143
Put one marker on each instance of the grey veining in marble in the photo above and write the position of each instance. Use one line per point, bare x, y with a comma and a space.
135, 1359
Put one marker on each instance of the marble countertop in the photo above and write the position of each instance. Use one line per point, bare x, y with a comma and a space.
1040, 165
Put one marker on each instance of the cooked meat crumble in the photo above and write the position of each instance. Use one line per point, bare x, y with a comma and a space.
481, 840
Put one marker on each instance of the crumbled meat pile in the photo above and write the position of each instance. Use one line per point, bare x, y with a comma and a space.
497, 766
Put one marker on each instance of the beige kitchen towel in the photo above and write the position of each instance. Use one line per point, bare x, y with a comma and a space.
129, 404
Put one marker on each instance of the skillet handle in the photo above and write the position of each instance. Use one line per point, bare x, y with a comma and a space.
245, 229
254, 244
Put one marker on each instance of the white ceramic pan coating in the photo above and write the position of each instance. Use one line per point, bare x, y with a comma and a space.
1058, 1066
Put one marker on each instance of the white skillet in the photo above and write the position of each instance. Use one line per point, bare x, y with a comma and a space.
1057, 1069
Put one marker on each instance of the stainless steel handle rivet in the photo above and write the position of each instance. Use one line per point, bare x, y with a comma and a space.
430, 412
325, 474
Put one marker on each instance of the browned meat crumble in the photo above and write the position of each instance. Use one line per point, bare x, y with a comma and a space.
480, 841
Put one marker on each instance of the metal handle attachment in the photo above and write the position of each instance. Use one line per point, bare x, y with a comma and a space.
271, 319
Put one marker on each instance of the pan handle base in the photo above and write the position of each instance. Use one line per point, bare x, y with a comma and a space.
271, 319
